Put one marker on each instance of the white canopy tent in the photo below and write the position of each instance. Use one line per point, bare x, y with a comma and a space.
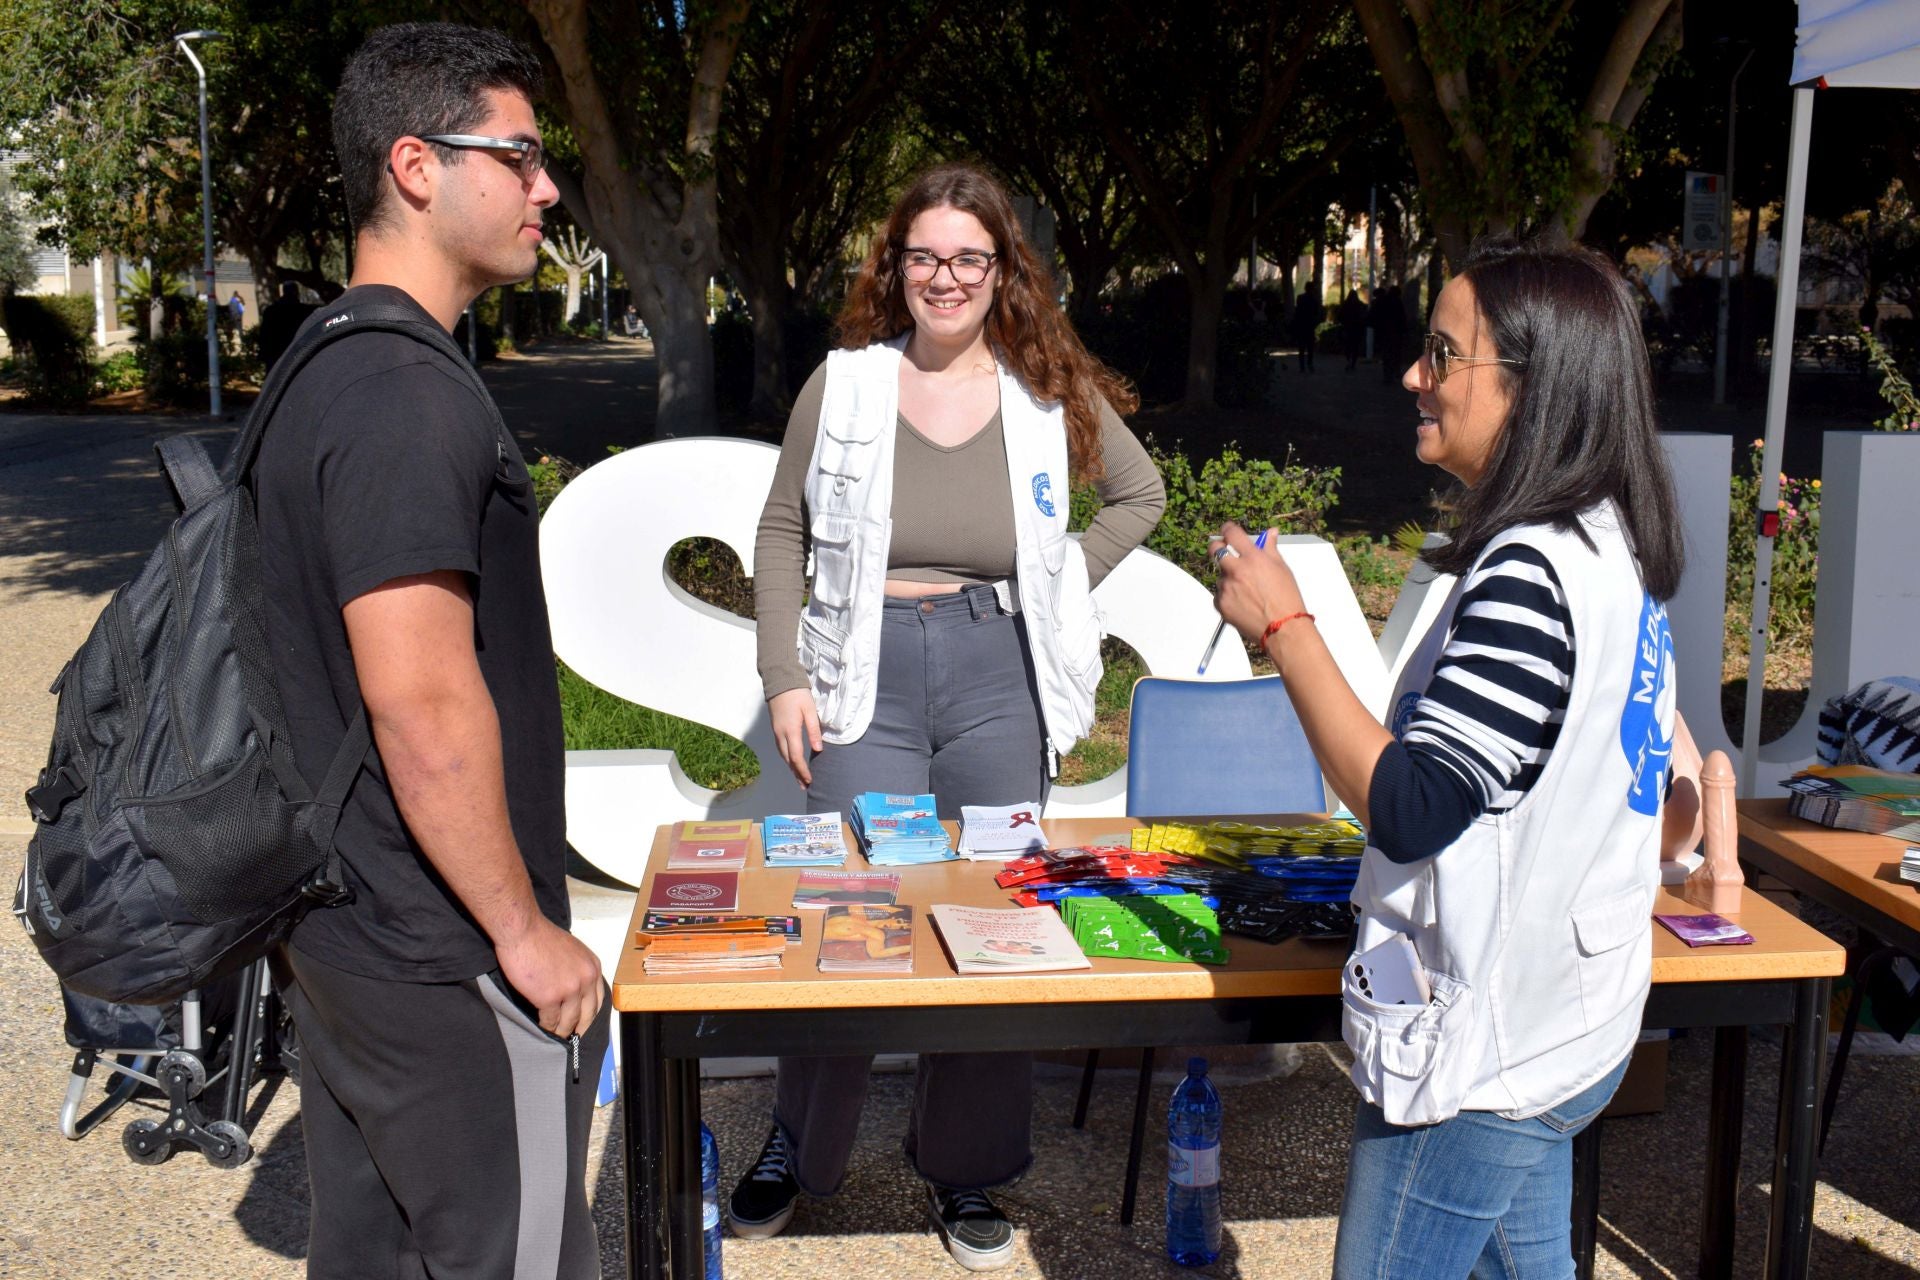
1852, 44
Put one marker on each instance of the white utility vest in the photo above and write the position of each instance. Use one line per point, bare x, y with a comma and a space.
1534, 926
850, 502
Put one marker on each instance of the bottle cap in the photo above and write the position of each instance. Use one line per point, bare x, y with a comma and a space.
1196, 1066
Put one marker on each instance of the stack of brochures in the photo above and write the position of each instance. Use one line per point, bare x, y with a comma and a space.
803, 840
867, 939
1857, 798
1910, 865
713, 953
900, 830
994, 833
1007, 940
1172, 927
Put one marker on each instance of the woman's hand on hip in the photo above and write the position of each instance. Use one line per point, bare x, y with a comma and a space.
796, 730
1256, 587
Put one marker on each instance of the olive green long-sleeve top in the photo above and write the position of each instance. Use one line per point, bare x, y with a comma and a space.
952, 519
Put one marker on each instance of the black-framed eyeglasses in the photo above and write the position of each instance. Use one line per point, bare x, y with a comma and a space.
1441, 358
969, 267
529, 157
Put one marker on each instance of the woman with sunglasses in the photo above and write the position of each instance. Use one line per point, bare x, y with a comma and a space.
1513, 800
948, 642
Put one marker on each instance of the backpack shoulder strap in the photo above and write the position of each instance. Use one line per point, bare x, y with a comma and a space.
332, 888
323, 328
184, 461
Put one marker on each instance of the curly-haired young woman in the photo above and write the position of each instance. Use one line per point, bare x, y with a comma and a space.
949, 642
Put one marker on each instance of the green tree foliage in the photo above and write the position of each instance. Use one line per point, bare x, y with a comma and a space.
1023, 112
1224, 115
1515, 111
810, 149
107, 112
16, 251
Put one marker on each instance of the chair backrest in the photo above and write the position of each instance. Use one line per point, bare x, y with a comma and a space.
1218, 747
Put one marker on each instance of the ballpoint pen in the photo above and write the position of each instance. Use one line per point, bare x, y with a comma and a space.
1224, 551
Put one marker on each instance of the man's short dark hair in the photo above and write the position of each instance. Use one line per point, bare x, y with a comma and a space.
415, 78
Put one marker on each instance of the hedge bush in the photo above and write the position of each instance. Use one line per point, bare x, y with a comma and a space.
54, 337
809, 335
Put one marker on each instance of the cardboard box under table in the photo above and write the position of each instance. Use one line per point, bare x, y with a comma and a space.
1270, 994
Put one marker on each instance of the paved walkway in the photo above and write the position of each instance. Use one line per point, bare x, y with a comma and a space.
80, 504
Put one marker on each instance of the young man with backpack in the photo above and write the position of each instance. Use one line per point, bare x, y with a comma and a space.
451, 1027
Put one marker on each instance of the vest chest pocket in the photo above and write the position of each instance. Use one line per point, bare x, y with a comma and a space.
1612, 973
1415, 1062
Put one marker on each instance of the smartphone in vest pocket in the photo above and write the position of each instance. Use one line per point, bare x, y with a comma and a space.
1390, 973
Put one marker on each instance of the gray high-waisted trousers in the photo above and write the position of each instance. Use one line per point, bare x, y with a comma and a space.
955, 714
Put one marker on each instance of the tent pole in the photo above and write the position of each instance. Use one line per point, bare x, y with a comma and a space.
1780, 367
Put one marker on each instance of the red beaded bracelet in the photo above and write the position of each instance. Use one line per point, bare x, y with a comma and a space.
1278, 623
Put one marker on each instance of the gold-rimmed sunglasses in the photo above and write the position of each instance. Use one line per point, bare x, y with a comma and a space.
1442, 358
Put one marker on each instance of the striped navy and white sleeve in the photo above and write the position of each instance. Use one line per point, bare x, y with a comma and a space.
1490, 715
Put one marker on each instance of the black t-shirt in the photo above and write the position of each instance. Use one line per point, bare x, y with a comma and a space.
383, 461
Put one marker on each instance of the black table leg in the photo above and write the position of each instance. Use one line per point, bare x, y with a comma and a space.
1137, 1139
1724, 1110
684, 1244
641, 1091
1586, 1198
1790, 1227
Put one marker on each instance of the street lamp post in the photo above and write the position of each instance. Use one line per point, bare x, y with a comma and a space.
206, 218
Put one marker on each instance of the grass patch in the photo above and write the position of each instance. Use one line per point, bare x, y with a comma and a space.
1104, 749
594, 720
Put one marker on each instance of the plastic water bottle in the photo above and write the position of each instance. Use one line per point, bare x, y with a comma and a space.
710, 1201
1193, 1169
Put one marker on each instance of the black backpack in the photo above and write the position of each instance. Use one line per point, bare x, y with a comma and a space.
177, 840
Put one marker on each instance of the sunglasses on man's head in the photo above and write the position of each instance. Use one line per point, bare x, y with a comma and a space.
1442, 358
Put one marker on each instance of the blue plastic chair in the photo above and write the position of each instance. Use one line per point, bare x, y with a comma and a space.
1214, 748
1218, 748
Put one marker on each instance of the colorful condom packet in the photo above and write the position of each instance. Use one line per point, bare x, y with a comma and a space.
1705, 930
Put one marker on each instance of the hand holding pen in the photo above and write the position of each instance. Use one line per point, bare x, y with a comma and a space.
1220, 551
1258, 594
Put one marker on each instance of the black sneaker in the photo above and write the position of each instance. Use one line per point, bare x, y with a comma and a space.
763, 1201
972, 1227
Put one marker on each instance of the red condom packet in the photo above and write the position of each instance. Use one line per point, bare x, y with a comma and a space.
1706, 930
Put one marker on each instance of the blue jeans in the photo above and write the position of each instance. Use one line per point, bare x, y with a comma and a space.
1475, 1195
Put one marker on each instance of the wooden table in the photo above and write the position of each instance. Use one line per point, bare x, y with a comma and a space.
1856, 874
1270, 994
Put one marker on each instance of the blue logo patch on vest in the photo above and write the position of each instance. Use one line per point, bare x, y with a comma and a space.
1403, 713
1043, 493
1646, 725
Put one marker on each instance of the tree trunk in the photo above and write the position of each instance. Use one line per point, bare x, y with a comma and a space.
683, 354
1208, 292
1433, 282
769, 310
573, 295
662, 231
1320, 263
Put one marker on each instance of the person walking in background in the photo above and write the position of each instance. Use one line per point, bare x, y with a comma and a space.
451, 1028
1513, 803
1387, 317
948, 643
236, 309
1304, 327
1353, 327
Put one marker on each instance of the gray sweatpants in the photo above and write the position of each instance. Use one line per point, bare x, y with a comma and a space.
955, 713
